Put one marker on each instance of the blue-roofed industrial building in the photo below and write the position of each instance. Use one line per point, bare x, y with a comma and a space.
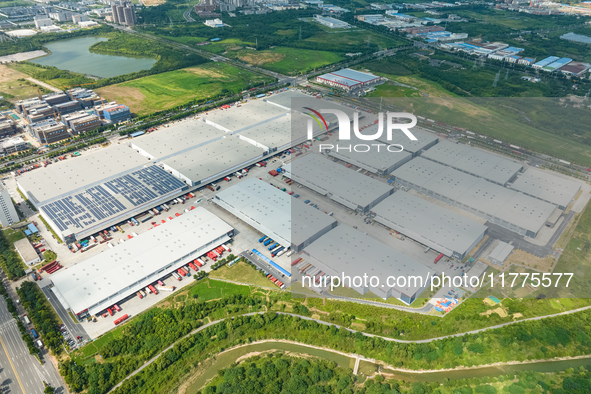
545, 62
557, 64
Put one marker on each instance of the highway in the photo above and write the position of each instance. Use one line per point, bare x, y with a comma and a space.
21, 372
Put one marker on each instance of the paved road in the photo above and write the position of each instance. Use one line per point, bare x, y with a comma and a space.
45, 85
21, 372
75, 329
187, 15
350, 330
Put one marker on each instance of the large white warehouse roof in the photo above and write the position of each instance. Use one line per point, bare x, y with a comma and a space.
474, 161
99, 282
505, 207
547, 186
341, 184
64, 177
347, 251
274, 213
442, 230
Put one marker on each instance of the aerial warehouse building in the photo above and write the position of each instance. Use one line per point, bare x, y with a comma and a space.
502, 206
116, 185
547, 186
93, 285
348, 80
380, 162
440, 229
480, 163
343, 185
345, 251
198, 153
275, 213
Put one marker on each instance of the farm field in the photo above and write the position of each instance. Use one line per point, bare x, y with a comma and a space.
174, 88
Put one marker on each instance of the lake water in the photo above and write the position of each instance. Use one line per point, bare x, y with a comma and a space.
73, 55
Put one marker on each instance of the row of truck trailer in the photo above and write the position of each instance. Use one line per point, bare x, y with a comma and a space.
274, 247
307, 269
185, 270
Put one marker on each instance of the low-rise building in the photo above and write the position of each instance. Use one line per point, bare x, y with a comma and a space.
42, 22
13, 145
116, 113
81, 122
333, 23
26, 251
7, 127
49, 131
67, 107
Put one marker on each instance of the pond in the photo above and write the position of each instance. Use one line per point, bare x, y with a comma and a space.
73, 55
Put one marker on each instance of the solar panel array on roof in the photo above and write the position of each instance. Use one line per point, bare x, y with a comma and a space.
107, 199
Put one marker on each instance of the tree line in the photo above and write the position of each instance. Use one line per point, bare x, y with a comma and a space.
152, 331
10, 261
41, 314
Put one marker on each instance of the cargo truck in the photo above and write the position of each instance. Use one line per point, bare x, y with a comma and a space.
296, 261
262, 239
273, 246
200, 263
121, 319
227, 248
176, 276
166, 288
117, 308
26, 319
279, 253
267, 242
139, 295
35, 335
438, 257
276, 252
153, 289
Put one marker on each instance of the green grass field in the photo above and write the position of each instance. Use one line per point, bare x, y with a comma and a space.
352, 37
576, 258
241, 272
523, 122
208, 290
174, 88
230, 44
288, 61
13, 235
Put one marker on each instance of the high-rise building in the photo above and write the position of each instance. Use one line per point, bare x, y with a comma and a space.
129, 14
114, 8
123, 13
8, 213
